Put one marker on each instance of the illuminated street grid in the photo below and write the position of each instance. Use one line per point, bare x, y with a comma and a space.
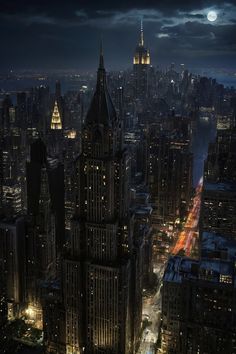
152, 304
187, 237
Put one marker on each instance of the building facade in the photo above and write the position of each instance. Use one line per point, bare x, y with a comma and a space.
99, 261
198, 306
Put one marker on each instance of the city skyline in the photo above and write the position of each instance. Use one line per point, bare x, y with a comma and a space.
117, 191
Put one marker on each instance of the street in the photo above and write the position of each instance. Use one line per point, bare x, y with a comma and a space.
152, 304
152, 311
187, 237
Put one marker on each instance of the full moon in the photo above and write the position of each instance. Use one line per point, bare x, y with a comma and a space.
212, 16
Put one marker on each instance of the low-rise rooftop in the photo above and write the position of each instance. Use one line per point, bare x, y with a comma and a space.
181, 269
214, 245
220, 187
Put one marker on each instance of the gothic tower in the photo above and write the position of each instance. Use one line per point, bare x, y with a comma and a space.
98, 266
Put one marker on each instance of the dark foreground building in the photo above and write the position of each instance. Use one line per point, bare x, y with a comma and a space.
101, 270
198, 306
99, 263
45, 234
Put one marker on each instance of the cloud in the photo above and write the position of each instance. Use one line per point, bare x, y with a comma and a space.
117, 18
194, 16
28, 19
110, 15
162, 35
130, 17
81, 13
201, 40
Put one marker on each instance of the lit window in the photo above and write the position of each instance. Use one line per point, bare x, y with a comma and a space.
225, 279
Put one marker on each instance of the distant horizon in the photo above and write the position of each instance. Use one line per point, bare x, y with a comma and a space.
224, 76
109, 66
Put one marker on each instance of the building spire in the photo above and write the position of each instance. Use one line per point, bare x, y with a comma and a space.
141, 34
56, 122
101, 73
101, 110
101, 58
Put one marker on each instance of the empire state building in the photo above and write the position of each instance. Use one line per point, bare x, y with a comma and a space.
141, 65
98, 267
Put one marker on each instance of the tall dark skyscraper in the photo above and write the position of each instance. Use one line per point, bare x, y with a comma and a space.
170, 173
97, 282
1, 175
3, 299
45, 194
141, 67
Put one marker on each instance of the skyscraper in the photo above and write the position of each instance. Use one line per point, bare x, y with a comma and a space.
170, 174
45, 197
55, 137
97, 281
218, 209
56, 122
1, 176
3, 299
141, 67
12, 239
197, 299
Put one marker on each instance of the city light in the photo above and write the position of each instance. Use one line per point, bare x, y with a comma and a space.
117, 177
187, 237
30, 312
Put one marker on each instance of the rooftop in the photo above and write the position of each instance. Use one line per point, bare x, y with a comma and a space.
220, 187
217, 246
209, 270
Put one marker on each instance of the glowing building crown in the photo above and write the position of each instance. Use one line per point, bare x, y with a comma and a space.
142, 55
56, 118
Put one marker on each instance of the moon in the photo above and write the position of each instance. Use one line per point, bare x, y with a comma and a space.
212, 16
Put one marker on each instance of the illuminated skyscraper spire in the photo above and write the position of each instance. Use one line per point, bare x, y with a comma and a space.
141, 63
141, 34
142, 55
56, 118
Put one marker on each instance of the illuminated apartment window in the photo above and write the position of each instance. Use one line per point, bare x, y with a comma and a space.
225, 279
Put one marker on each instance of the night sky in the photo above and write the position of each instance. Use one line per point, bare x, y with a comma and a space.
38, 34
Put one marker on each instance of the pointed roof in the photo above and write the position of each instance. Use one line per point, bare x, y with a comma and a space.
56, 118
101, 58
141, 43
141, 55
101, 109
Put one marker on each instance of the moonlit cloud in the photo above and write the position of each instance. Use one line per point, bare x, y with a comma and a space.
162, 35
119, 18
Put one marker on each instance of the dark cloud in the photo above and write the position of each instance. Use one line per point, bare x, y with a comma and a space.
194, 16
67, 8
